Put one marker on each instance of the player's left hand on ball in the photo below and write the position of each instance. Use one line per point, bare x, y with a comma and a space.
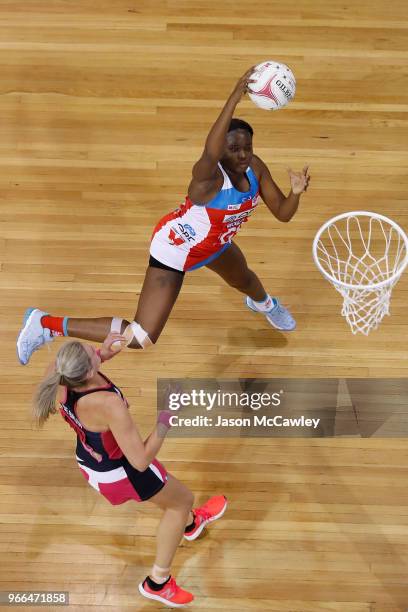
299, 181
113, 343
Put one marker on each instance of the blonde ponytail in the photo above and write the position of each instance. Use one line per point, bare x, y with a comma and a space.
72, 365
45, 397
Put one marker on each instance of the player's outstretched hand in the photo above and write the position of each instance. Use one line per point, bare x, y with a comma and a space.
299, 181
111, 346
242, 85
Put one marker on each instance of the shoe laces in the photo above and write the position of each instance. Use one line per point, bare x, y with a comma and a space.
37, 342
33, 344
276, 306
172, 584
202, 513
278, 309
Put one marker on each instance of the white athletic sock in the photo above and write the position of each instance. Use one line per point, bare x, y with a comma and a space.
157, 574
268, 303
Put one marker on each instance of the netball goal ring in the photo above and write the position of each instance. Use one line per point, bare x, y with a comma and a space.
363, 255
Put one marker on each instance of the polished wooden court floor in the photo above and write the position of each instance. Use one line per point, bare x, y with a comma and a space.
104, 107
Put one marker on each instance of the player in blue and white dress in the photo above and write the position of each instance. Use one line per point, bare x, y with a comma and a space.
226, 184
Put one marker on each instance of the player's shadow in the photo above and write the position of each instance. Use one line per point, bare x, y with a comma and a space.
222, 456
135, 552
371, 546
256, 339
328, 486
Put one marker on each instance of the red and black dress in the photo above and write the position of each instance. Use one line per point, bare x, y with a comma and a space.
102, 462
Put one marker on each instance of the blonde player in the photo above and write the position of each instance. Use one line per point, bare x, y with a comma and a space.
114, 459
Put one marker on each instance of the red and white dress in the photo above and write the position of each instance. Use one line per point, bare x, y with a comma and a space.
195, 234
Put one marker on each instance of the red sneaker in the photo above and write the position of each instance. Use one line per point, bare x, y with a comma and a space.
170, 595
211, 511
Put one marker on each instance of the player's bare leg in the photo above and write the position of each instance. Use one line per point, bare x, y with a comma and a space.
233, 268
159, 293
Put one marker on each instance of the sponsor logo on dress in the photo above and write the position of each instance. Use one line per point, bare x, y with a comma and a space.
188, 228
71, 415
239, 218
174, 239
180, 234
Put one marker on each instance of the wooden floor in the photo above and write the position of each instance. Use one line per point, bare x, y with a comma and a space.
104, 107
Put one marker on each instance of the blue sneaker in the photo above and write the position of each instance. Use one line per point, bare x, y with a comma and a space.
32, 335
278, 316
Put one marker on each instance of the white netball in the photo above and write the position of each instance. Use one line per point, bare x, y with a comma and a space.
274, 86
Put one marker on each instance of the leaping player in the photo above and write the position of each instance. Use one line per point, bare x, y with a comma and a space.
224, 191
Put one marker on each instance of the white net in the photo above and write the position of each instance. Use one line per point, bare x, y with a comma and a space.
363, 255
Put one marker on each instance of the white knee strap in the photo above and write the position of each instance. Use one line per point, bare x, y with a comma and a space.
134, 330
116, 325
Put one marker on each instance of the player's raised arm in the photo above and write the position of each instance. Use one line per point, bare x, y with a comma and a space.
206, 167
140, 454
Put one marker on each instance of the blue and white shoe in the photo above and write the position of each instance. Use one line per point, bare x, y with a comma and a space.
278, 316
32, 335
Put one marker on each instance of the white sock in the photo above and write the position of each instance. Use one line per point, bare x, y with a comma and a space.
268, 303
157, 574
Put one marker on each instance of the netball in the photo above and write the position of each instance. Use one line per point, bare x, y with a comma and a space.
274, 86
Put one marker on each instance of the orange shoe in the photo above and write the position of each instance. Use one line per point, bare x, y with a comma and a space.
170, 594
211, 511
